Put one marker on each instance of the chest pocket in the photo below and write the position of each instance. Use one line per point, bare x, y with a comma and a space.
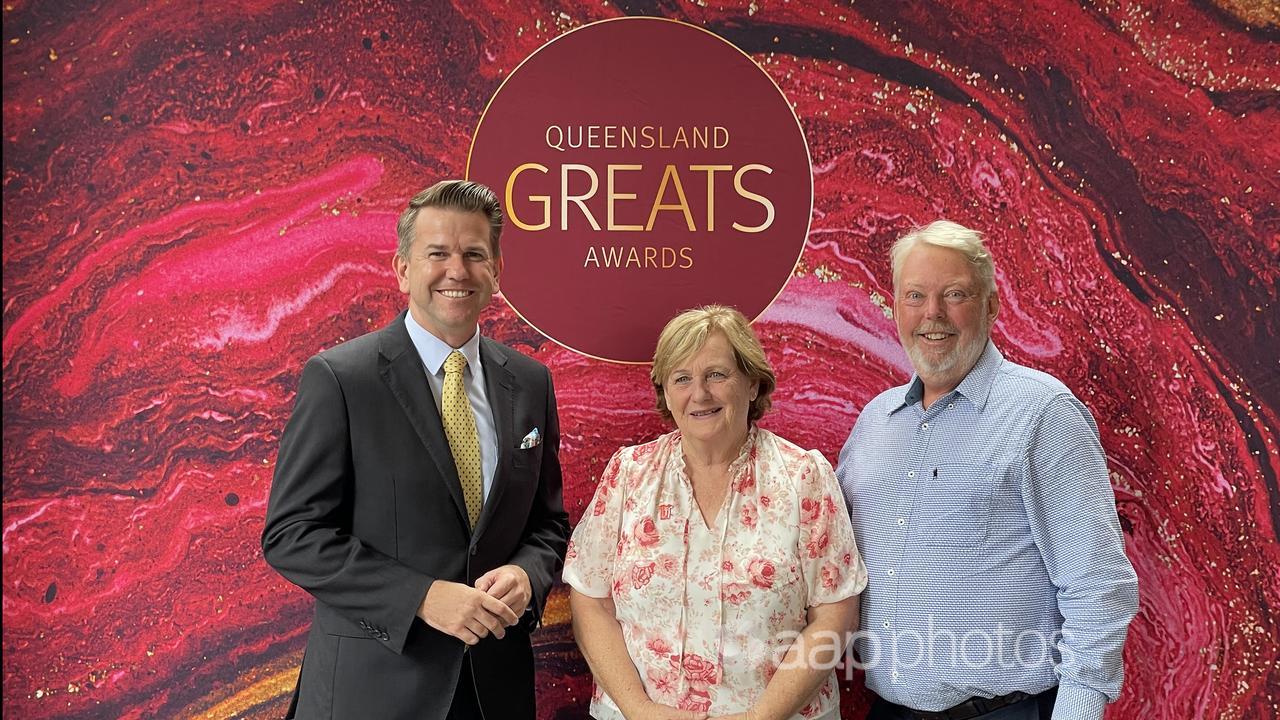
955, 505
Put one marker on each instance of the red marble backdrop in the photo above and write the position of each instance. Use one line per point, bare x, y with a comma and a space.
198, 196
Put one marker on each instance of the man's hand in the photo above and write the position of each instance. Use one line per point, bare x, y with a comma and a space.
510, 584
465, 612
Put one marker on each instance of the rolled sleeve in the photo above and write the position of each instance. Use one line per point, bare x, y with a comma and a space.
1076, 702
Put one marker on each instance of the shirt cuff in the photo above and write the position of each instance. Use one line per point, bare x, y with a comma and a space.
1077, 702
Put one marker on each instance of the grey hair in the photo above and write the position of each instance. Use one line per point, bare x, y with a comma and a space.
947, 234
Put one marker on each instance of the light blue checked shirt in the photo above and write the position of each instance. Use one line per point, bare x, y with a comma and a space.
989, 529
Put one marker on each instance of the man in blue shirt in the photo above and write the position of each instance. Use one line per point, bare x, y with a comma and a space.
981, 501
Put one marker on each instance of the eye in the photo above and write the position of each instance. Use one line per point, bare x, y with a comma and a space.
716, 375
437, 254
956, 296
476, 256
681, 380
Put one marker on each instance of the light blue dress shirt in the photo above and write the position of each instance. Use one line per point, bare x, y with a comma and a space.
433, 352
995, 555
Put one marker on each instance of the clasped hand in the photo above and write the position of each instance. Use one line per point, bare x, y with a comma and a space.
656, 711
470, 614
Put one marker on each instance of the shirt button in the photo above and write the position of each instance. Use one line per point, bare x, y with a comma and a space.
950, 405
924, 426
890, 572
896, 674
902, 521
911, 473
886, 624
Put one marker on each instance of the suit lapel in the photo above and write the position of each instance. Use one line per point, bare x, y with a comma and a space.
402, 371
499, 386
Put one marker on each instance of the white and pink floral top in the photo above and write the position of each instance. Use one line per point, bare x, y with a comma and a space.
708, 612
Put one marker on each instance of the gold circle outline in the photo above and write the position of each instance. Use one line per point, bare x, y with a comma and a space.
786, 101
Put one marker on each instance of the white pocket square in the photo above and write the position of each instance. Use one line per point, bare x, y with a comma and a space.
533, 439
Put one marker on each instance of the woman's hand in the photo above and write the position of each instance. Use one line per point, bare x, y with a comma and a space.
748, 715
665, 712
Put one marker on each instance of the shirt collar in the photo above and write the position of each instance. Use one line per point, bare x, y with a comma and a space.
976, 386
433, 350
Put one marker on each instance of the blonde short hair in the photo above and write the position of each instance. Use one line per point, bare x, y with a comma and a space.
947, 234
686, 333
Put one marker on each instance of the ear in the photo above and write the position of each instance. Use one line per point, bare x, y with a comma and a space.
755, 391
993, 308
401, 268
497, 271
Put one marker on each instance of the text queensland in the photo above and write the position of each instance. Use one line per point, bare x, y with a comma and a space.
639, 137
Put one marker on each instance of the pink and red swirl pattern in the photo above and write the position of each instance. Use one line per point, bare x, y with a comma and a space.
199, 196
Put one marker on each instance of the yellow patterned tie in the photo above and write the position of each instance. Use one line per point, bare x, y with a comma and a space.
460, 427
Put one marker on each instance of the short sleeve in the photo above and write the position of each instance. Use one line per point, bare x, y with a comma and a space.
593, 548
833, 570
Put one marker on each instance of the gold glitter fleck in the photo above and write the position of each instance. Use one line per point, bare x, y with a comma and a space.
879, 301
270, 687
826, 274
53, 54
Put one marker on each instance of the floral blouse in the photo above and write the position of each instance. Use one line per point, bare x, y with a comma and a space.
707, 612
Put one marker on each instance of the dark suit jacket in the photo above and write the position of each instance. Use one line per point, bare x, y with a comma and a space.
366, 511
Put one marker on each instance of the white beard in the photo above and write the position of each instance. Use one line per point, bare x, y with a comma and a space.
963, 357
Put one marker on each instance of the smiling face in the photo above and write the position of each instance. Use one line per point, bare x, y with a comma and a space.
943, 318
709, 396
450, 272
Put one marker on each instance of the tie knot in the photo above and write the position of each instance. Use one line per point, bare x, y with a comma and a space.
454, 363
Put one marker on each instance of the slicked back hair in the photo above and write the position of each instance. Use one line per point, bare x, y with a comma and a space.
461, 195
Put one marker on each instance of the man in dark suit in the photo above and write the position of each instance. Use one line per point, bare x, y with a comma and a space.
417, 493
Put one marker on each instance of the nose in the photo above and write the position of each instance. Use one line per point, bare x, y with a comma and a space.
701, 389
455, 268
934, 307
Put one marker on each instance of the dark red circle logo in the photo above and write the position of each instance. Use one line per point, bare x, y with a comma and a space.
645, 167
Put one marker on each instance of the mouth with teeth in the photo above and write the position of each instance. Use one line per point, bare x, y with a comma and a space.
936, 334
704, 413
456, 294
